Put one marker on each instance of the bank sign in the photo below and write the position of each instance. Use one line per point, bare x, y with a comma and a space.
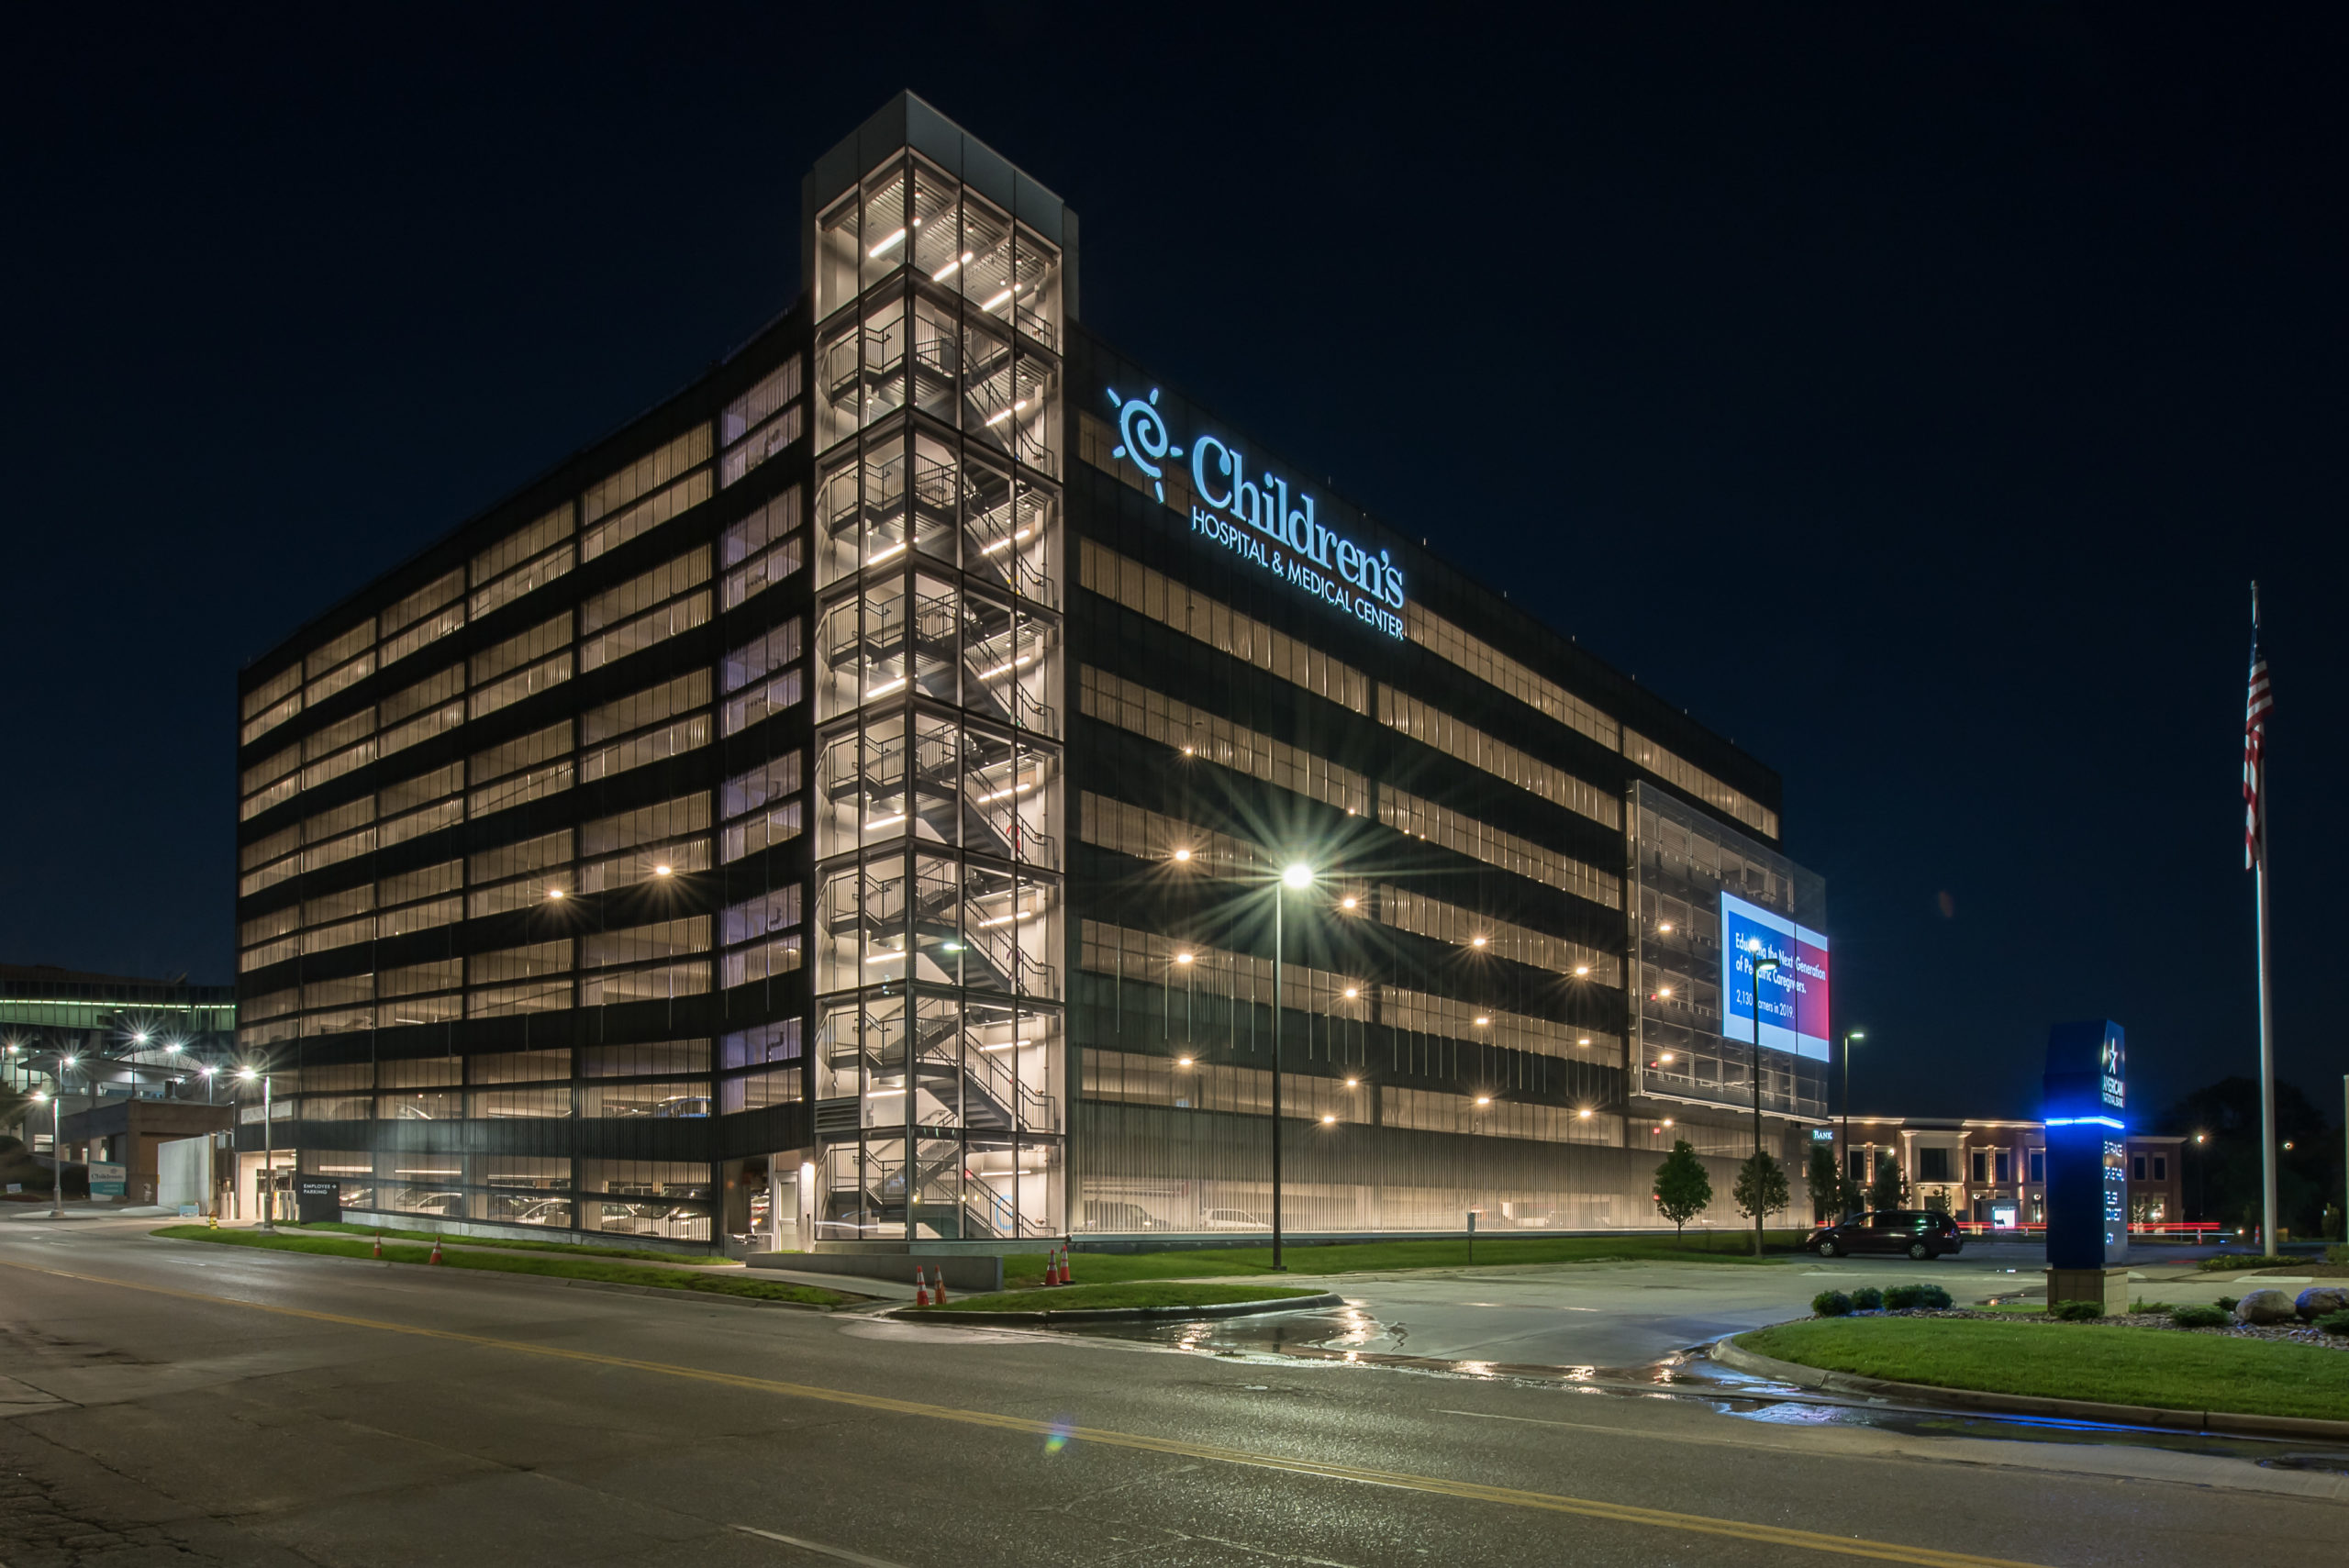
1259, 519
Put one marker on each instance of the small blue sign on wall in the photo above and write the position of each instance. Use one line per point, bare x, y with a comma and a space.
2088, 1175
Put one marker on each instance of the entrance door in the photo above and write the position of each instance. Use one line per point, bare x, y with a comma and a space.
787, 1207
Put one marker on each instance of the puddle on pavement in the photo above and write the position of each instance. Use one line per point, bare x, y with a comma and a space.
1336, 1335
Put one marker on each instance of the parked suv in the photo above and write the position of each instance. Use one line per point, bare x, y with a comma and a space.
1920, 1232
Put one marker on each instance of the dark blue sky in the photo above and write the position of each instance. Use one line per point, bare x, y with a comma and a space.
1912, 401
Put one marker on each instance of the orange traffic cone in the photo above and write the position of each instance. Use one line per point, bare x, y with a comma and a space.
941, 1284
436, 1251
921, 1287
1052, 1269
1065, 1277
379, 1244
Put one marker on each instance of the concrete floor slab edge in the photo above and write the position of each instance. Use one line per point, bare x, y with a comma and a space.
1120, 1314
1978, 1401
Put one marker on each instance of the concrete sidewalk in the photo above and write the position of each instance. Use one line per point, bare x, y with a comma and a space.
86, 1210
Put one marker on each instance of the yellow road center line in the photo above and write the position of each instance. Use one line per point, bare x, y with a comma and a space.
1621, 1513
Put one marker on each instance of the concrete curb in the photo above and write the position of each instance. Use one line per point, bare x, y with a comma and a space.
669, 1292
1729, 1353
1116, 1314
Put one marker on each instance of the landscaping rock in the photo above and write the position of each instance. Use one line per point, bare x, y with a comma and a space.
2319, 1299
2266, 1306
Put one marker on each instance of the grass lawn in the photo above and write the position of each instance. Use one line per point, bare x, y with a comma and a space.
2062, 1360
1132, 1293
515, 1243
539, 1263
1435, 1252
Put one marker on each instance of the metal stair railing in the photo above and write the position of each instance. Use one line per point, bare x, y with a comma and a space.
849, 367
938, 353
1011, 836
1003, 1084
1015, 971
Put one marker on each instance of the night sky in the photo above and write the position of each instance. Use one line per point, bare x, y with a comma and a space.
1912, 400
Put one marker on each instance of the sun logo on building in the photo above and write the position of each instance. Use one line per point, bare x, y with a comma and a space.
1142, 435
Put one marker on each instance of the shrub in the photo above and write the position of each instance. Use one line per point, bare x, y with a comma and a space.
2338, 1255
2201, 1316
2226, 1262
1867, 1298
1830, 1303
1910, 1297
2141, 1306
2077, 1311
2226, 1303
2334, 1322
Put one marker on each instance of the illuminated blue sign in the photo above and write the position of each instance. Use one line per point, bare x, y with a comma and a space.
1259, 520
2088, 1177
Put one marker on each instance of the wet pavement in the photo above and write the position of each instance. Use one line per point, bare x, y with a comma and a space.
165, 1404
1630, 1314
1509, 1325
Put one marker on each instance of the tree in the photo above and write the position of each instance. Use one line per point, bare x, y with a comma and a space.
1851, 1194
1890, 1188
1826, 1183
1682, 1189
1761, 1187
2222, 1174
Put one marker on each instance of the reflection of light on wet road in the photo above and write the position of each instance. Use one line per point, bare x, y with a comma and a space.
1341, 1336
1798, 1415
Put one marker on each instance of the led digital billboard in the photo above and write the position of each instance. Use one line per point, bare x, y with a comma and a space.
1794, 994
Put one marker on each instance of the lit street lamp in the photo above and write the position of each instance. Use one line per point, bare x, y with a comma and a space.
1296, 875
1845, 1153
56, 1152
57, 1139
267, 1153
1762, 966
2202, 1177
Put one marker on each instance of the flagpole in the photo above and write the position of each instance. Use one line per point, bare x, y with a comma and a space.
2266, 1025
2266, 1054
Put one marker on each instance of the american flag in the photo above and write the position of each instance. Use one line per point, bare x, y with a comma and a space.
2254, 743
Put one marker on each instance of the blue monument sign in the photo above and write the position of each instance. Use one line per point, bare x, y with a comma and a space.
2088, 1177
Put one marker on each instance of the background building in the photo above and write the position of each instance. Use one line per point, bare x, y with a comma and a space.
1994, 1173
96, 1038
846, 805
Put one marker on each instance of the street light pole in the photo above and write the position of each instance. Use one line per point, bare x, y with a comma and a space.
268, 1154
1297, 874
57, 1150
2201, 1180
1845, 1152
1760, 966
1280, 903
57, 1139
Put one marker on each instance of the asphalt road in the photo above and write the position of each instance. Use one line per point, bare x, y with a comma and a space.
166, 1402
